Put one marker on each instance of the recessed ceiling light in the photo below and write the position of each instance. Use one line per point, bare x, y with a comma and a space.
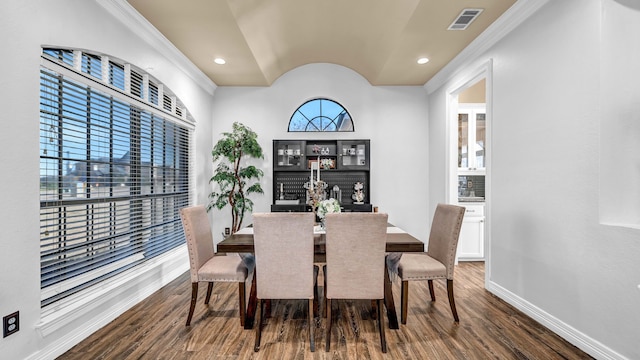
423, 60
219, 61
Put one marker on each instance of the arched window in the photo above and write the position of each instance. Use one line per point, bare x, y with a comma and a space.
115, 168
320, 115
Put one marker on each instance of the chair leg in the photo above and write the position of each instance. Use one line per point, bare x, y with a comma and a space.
324, 300
383, 340
404, 301
374, 310
260, 316
242, 301
431, 292
312, 343
250, 314
194, 297
328, 335
315, 292
452, 302
316, 304
209, 291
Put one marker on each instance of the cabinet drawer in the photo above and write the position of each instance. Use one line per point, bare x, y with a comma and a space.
473, 210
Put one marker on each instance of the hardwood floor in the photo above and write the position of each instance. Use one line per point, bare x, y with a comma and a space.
489, 328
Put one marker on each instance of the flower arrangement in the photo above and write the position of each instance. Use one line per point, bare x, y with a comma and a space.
328, 206
327, 163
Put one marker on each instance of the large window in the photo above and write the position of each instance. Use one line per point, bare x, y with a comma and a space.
114, 170
321, 115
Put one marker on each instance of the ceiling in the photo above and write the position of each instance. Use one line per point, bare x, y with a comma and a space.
263, 39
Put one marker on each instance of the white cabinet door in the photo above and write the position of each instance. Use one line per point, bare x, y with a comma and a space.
471, 241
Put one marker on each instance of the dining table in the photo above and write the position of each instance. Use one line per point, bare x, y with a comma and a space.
398, 242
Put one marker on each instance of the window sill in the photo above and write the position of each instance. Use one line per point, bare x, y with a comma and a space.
109, 299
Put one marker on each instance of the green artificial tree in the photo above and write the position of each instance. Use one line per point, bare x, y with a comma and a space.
232, 178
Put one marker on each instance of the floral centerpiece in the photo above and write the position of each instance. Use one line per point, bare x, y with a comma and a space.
326, 207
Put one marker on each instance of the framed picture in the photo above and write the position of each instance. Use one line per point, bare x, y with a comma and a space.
325, 163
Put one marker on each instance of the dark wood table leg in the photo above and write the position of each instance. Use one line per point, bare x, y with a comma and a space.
388, 301
267, 308
252, 304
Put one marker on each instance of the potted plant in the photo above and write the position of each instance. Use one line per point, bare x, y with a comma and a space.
234, 179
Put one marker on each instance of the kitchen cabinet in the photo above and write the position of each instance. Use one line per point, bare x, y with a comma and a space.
471, 152
471, 138
471, 180
471, 240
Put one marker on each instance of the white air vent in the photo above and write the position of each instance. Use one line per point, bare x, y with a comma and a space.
465, 18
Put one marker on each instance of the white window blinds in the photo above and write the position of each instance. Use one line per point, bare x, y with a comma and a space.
113, 175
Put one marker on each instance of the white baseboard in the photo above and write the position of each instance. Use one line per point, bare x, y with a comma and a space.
565, 331
60, 332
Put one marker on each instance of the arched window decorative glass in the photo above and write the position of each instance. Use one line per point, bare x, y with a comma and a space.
319, 115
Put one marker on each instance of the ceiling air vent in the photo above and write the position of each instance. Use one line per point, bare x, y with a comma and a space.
465, 18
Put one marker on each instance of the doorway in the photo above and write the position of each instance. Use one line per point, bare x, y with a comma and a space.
469, 108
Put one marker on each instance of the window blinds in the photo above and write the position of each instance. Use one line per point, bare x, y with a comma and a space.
113, 176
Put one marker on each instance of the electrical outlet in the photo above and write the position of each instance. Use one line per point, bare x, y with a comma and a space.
227, 231
10, 324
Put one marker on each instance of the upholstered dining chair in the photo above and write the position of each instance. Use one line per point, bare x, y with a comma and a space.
284, 251
355, 256
438, 262
205, 265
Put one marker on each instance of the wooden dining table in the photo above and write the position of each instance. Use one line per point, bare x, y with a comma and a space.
398, 241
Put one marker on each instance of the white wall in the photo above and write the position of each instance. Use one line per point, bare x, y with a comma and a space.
25, 26
549, 254
620, 126
394, 118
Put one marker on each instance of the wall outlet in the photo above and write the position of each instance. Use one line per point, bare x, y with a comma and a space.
227, 231
10, 324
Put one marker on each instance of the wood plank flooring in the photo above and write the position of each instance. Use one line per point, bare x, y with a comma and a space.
489, 328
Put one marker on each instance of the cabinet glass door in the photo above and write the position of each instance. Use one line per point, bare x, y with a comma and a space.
353, 154
471, 138
289, 155
480, 139
463, 140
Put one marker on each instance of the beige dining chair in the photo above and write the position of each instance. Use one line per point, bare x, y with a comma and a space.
355, 255
284, 250
204, 264
438, 262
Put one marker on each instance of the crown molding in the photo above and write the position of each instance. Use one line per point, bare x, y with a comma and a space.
124, 12
512, 18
